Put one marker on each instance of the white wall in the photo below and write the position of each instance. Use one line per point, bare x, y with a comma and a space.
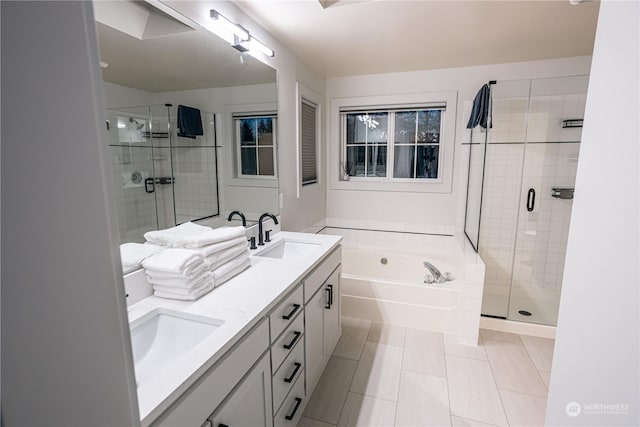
596, 359
426, 212
66, 357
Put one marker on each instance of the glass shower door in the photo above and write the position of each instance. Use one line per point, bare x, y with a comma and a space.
132, 161
556, 110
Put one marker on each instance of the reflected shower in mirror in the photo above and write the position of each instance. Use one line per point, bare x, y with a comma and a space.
150, 66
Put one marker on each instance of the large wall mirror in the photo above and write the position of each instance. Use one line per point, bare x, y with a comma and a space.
152, 62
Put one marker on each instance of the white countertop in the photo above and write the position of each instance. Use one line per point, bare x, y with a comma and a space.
240, 303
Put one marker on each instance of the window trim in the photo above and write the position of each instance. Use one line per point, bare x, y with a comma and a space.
226, 129
443, 184
238, 147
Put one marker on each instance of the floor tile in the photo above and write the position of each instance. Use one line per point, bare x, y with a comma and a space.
540, 350
464, 422
489, 335
453, 348
354, 335
386, 334
546, 377
523, 410
378, 372
310, 422
424, 353
363, 411
473, 392
513, 369
333, 386
423, 400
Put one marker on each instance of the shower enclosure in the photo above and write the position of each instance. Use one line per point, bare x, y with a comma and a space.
519, 196
160, 179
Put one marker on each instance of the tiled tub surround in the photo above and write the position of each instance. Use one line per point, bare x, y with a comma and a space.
384, 375
241, 303
452, 307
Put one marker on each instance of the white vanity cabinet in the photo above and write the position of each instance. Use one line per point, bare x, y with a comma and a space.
250, 402
322, 316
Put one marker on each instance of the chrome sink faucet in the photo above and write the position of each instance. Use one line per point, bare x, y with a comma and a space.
240, 214
261, 238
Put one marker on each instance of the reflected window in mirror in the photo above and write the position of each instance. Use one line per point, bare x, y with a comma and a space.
255, 141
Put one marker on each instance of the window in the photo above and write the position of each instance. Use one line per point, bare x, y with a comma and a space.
308, 140
392, 144
255, 146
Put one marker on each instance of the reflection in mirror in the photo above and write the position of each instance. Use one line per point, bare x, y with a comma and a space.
151, 64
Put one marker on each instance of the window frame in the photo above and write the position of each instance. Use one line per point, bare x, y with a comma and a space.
305, 94
408, 102
237, 117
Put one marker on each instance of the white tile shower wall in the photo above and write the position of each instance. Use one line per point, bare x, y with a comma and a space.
467, 263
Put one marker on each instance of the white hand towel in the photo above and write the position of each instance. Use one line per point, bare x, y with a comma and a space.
221, 278
190, 297
132, 255
191, 274
218, 262
215, 248
168, 236
182, 282
179, 261
183, 291
189, 235
229, 266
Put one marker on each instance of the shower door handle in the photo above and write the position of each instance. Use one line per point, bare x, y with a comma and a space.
531, 199
149, 185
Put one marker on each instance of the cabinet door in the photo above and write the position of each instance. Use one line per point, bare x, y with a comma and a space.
314, 338
250, 403
332, 328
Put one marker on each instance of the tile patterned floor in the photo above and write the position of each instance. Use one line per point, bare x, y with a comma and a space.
383, 375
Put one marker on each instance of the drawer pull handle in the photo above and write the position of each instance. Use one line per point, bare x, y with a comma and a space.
296, 307
295, 409
293, 374
329, 290
222, 425
296, 336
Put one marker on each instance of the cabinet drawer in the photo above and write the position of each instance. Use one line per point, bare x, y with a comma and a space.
285, 312
292, 407
286, 342
287, 374
317, 277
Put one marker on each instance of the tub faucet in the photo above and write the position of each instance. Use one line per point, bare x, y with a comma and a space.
260, 235
437, 276
240, 214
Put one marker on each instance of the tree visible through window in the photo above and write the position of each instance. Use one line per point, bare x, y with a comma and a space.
405, 141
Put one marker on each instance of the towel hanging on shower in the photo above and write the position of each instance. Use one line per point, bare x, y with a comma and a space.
481, 112
189, 122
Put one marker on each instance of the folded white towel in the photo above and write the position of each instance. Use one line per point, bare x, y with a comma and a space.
183, 291
182, 282
231, 254
177, 261
192, 296
190, 235
221, 278
132, 255
215, 248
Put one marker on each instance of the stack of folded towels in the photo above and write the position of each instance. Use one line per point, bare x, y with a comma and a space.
195, 259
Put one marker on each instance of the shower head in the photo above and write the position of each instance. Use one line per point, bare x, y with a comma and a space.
138, 125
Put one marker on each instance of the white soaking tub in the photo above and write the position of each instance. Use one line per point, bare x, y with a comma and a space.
388, 286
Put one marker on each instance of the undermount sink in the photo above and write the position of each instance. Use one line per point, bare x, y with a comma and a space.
288, 250
161, 337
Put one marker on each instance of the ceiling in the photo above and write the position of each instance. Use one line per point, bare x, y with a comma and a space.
353, 37
168, 56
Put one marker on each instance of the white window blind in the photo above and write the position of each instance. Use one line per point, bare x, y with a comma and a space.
308, 143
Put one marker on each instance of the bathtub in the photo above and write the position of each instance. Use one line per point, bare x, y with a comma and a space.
388, 286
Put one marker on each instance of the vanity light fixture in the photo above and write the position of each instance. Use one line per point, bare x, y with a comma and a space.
237, 30
255, 44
